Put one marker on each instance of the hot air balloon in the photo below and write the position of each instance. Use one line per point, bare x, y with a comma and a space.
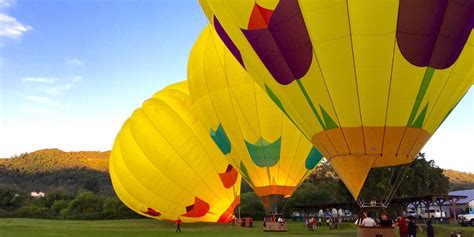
369, 82
272, 155
164, 165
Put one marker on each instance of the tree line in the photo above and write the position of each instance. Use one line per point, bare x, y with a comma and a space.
81, 193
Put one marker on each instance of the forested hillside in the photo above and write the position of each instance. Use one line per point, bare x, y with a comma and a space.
55, 170
459, 180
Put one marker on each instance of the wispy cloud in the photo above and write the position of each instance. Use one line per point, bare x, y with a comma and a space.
10, 27
77, 78
46, 80
7, 3
47, 93
38, 99
74, 62
56, 89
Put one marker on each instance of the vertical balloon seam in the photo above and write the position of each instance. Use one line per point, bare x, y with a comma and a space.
176, 150
204, 50
133, 176
422, 91
187, 96
127, 203
355, 75
421, 94
140, 183
292, 162
327, 118
197, 138
232, 94
300, 85
425, 118
261, 134
281, 129
132, 139
451, 110
122, 199
387, 106
212, 102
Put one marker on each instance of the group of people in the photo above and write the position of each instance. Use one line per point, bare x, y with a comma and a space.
311, 223
406, 226
278, 219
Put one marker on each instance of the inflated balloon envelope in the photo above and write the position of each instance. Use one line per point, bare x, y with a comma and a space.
270, 152
369, 82
164, 165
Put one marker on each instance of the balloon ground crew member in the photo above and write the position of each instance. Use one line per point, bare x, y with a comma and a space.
178, 224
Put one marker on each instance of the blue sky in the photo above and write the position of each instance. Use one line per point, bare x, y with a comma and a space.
73, 71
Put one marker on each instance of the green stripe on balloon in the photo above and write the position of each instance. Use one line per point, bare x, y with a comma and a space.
220, 138
330, 124
421, 93
245, 174
306, 96
421, 118
313, 158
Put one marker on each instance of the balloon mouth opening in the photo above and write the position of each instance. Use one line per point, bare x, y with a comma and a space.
272, 202
228, 214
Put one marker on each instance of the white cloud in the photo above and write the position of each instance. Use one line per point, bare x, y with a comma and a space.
77, 78
7, 3
74, 62
38, 99
45, 95
11, 27
46, 80
56, 89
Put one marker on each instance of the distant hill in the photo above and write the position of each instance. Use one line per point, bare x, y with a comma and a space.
54, 159
459, 180
53, 169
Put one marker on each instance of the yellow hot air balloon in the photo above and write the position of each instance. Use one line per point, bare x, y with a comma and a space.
369, 82
270, 152
164, 165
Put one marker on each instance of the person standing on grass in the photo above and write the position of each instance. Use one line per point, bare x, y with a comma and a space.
429, 229
402, 226
178, 225
313, 223
411, 228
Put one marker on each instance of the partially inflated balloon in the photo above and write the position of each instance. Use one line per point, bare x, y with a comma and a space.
164, 165
368, 81
271, 153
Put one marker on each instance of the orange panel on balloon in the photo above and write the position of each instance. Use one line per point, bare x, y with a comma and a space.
274, 189
421, 140
338, 141
354, 137
373, 137
408, 140
322, 138
393, 138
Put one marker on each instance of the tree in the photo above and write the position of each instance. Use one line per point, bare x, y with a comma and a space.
85, 206
251, 206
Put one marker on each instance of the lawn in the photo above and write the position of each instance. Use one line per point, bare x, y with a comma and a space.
145, 227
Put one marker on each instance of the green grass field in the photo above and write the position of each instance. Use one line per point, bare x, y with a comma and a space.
139, 228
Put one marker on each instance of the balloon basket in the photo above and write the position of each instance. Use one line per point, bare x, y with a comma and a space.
375, 231
275, 227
